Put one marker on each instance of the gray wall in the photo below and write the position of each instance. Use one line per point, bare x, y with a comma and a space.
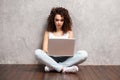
96, 26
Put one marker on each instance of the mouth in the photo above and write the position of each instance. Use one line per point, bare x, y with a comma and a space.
59, 25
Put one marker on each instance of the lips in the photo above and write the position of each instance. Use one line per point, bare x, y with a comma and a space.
59, 25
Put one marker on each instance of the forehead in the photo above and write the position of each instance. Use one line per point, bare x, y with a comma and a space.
58, 16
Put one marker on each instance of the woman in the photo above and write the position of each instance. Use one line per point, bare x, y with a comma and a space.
59, 27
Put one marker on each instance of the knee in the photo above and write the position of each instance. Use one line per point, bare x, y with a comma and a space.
38, 52
83, 54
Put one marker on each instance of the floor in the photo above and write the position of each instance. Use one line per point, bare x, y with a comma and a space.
36, 72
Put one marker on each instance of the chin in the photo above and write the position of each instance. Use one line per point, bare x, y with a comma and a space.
59, 27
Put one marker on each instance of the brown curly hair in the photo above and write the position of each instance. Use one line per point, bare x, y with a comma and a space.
67, 19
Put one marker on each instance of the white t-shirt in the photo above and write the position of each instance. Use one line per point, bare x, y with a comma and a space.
52, 36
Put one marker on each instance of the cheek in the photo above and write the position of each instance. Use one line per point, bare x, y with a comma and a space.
62, 23
56, 23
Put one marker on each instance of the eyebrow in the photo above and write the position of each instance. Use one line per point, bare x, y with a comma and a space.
59, 19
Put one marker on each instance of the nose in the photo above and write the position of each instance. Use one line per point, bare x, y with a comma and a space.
59, 21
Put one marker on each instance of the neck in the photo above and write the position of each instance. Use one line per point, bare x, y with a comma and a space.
59, 30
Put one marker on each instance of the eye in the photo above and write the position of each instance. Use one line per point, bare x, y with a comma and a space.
56, 19
62, 20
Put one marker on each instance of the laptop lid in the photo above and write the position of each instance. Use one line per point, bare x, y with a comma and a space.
61, 47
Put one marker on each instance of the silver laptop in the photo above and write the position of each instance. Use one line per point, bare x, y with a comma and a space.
61, 47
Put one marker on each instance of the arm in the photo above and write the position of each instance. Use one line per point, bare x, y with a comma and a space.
71, 34
45, 42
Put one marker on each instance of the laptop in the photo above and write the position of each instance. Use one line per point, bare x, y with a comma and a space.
61, 47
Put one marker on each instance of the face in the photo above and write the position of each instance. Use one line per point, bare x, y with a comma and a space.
59, 21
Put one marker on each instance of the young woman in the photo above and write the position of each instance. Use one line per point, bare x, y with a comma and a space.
59, 27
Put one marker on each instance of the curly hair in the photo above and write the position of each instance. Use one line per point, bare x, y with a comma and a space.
67, 19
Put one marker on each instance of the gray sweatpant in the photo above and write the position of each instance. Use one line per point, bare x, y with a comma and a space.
45, 59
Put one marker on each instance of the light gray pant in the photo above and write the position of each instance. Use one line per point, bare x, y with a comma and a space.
45, 59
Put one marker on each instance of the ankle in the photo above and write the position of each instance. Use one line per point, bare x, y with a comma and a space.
62, 69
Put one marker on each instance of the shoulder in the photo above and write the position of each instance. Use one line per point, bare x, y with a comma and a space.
46, 34
70, 34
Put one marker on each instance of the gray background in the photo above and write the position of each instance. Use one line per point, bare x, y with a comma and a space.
96, 26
